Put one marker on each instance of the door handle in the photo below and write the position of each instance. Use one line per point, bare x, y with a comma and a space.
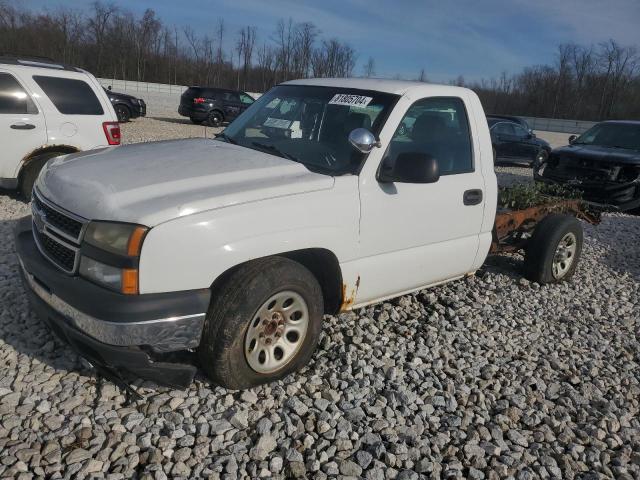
472, 197
23, 126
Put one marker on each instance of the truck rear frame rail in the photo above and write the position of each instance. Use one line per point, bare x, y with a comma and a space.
513, 228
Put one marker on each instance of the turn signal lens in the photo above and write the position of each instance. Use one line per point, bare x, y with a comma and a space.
130, 281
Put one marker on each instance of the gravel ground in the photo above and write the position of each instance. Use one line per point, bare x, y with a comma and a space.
488, 377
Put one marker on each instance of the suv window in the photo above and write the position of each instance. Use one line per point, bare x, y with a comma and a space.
13, 98
520, 131
437, 126
246, 99
70, 96
504, 128
230, 97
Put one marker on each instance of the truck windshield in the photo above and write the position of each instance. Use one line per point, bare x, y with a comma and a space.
311, 125
616, 135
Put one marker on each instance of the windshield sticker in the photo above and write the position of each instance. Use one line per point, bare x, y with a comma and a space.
350, 100
277, 122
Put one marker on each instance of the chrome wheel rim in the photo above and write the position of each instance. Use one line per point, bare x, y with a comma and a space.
276, 332
564, 256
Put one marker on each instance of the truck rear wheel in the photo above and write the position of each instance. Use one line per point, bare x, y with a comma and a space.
554, 249
263, 323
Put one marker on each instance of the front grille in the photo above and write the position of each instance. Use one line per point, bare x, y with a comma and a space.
58, 253
58, 219
57, 233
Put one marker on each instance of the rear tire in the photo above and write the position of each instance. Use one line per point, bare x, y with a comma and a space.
29, 173
553, 251
123, 113
215, 119
239, 312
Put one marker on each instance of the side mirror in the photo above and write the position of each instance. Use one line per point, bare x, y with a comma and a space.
572, 138
409, 167
363, 140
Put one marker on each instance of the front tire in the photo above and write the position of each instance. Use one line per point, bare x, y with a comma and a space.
541, 157
554, 249
123, 113
263, 323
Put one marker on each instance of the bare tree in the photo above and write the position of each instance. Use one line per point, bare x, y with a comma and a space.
369, 69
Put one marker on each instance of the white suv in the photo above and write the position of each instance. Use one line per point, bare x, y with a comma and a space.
46, 110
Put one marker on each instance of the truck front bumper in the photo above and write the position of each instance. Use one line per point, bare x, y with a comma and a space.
125, 333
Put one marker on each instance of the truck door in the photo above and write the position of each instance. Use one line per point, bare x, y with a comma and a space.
22, 126
414, 235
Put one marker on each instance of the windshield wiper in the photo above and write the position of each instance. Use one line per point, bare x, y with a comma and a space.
274, 149
226, 138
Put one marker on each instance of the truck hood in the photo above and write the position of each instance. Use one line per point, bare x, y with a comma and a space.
150, 183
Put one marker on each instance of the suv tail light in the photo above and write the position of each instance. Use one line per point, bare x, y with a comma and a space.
198, 100
112, 132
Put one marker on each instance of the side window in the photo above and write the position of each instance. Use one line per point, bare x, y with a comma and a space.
520, 132
13, 98
439, 127
230, 97
504, 128
246, 99
70, 96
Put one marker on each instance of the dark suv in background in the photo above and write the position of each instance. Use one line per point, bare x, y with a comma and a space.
512, 142
213, 105
126, 106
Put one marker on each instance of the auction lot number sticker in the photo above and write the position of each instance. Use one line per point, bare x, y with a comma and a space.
350, 100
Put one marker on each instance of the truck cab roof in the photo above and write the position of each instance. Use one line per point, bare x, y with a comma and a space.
398, 87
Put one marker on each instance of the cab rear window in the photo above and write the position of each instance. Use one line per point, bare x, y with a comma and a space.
70, 96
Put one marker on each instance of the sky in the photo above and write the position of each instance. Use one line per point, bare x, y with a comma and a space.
473, 38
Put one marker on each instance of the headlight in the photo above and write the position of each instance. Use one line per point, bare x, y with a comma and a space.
119, 238
100, 273
120, 244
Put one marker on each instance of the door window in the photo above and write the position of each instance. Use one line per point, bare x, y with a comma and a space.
520, 132
13, 98
70, 96
230, 97
504, 128
439, 127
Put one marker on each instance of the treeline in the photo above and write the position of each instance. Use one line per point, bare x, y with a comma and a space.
585, 83
112, 42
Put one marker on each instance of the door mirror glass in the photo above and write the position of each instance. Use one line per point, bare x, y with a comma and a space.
109, 87
363, 140
409, 167
572, 138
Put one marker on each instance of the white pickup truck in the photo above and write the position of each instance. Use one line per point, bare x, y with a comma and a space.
324, 196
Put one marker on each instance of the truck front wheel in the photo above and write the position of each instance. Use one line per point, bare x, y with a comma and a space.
263, 323
554, 249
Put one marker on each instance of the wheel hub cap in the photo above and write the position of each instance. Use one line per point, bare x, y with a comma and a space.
276, 332
564, 256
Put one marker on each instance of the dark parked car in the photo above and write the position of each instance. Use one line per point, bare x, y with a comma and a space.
603, 162
513, 143
126, 106
213, 105
510, 118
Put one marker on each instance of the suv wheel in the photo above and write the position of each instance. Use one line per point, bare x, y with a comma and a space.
214, 119
263, 323
123, 113
31, 170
